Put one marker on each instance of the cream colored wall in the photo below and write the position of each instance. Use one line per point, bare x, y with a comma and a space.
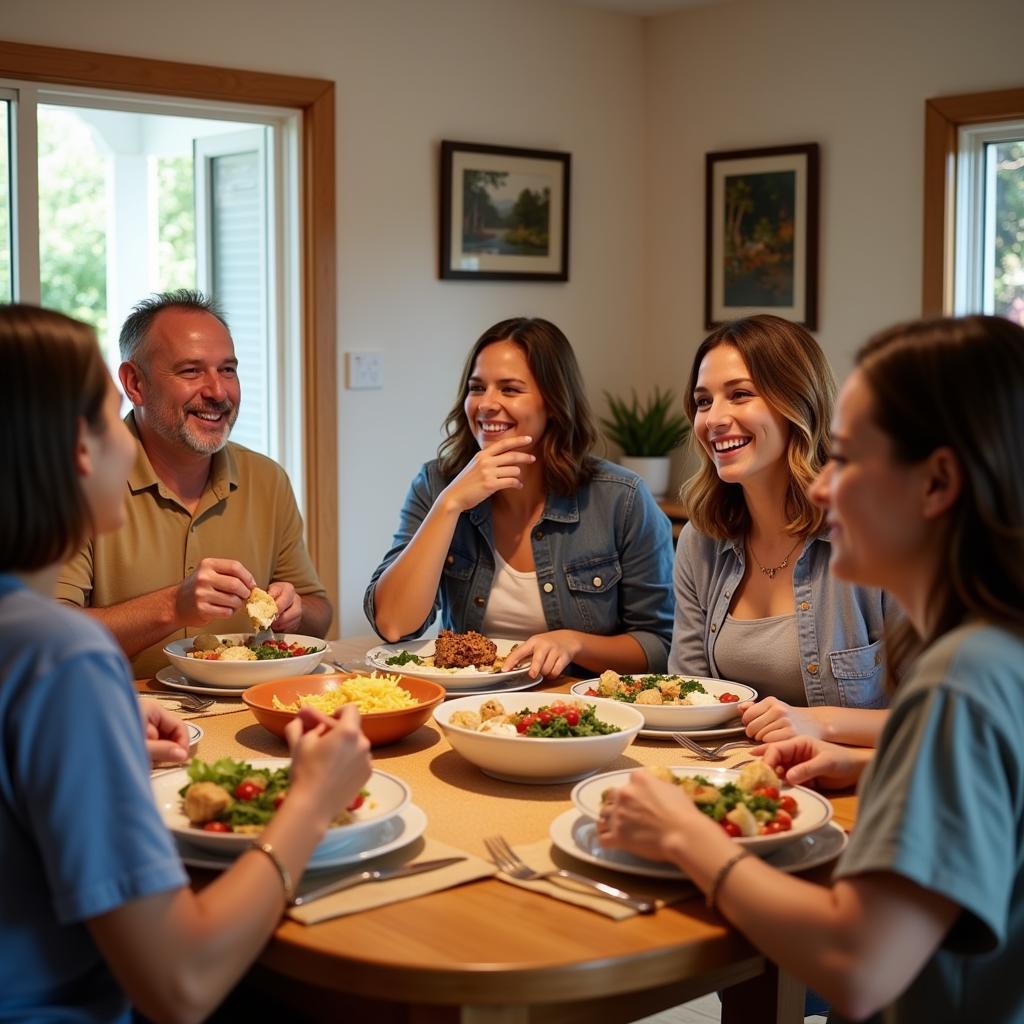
409, 73
852, 77
638, 104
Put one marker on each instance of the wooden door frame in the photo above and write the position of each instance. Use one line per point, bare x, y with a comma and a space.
943, 117
314, 97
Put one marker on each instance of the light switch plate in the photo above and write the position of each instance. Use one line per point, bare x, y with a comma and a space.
364, 370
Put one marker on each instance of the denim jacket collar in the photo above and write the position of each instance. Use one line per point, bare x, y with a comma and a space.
560, 508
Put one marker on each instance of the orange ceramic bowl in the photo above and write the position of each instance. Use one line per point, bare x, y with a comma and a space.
380, 727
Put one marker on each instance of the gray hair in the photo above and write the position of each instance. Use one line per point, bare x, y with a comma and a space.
140, 320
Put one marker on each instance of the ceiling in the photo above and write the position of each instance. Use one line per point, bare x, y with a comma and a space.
643, 7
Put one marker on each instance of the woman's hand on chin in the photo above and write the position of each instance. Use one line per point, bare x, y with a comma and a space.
498, 467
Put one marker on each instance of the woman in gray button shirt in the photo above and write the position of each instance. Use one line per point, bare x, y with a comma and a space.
516, 530
754, 599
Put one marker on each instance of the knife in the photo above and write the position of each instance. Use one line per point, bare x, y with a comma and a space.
379, 875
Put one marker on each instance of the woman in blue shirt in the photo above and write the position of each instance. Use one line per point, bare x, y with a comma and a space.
517, 531
754, 599
924, 495
95, 907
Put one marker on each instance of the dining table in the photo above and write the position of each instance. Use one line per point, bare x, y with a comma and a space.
489, 952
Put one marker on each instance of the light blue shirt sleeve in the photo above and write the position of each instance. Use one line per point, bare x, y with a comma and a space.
83, 783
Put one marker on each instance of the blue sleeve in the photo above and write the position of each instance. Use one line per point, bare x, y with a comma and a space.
939, 808
83, 783
418, 502
645, 601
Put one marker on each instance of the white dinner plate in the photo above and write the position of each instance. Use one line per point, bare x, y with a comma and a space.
393, 834
461, 679
514, 685
680, 717
171, 678
813, 811
576, 835
388, 796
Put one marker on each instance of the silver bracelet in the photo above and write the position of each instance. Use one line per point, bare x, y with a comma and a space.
286, 878
721, 875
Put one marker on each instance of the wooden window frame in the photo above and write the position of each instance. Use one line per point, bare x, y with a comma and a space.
943, 118
314, 97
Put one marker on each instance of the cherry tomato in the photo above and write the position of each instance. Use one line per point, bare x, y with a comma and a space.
216, 826
591, 692
787, 803
728, 698
572, 717
521, 725
769, 828
357, 803
731, 828
247, 790
558, 708
783, 820
545, 716
772, 792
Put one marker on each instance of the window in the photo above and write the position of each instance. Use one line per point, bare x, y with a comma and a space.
974, 205
134, 199
310, 352
989, 232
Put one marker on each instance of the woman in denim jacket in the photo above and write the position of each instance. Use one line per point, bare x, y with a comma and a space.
515, 530
754, 599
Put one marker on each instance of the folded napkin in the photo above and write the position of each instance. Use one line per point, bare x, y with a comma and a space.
380, 894
542, 856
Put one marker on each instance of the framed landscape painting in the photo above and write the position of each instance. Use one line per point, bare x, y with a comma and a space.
761, 234
504, 213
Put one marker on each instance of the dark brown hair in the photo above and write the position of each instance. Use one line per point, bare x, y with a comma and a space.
792, 374
54, 379
570, 433
958, 383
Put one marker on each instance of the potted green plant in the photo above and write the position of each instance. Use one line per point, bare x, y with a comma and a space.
647, 432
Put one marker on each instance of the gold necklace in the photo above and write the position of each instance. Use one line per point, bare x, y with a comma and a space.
770, 573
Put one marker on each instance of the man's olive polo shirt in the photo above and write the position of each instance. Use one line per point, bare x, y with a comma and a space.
247, 512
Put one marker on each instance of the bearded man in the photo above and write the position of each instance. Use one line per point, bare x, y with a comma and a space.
207, 520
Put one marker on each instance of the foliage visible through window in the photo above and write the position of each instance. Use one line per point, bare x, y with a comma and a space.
176, 213
1008, 243
73, 181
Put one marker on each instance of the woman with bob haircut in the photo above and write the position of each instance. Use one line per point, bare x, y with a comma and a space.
517, 531
95, 909
924, 495
754, 600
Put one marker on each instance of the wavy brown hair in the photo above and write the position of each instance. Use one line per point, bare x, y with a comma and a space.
958, 383
792, 374
54, 380
570, 434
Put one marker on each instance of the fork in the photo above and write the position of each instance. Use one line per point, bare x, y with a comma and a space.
186, 701
508, 861
715, 753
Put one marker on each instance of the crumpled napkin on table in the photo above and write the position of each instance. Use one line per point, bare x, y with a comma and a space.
380, 894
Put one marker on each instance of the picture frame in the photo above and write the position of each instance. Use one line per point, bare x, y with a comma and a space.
504, 213
761, 234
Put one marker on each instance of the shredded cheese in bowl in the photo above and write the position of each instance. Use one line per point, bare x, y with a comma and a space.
369, 693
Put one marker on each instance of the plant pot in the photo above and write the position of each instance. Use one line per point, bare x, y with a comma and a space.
653, 471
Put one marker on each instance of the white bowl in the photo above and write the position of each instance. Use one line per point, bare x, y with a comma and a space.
813, 810
680, 716
530, 758
240, 674
388, 797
